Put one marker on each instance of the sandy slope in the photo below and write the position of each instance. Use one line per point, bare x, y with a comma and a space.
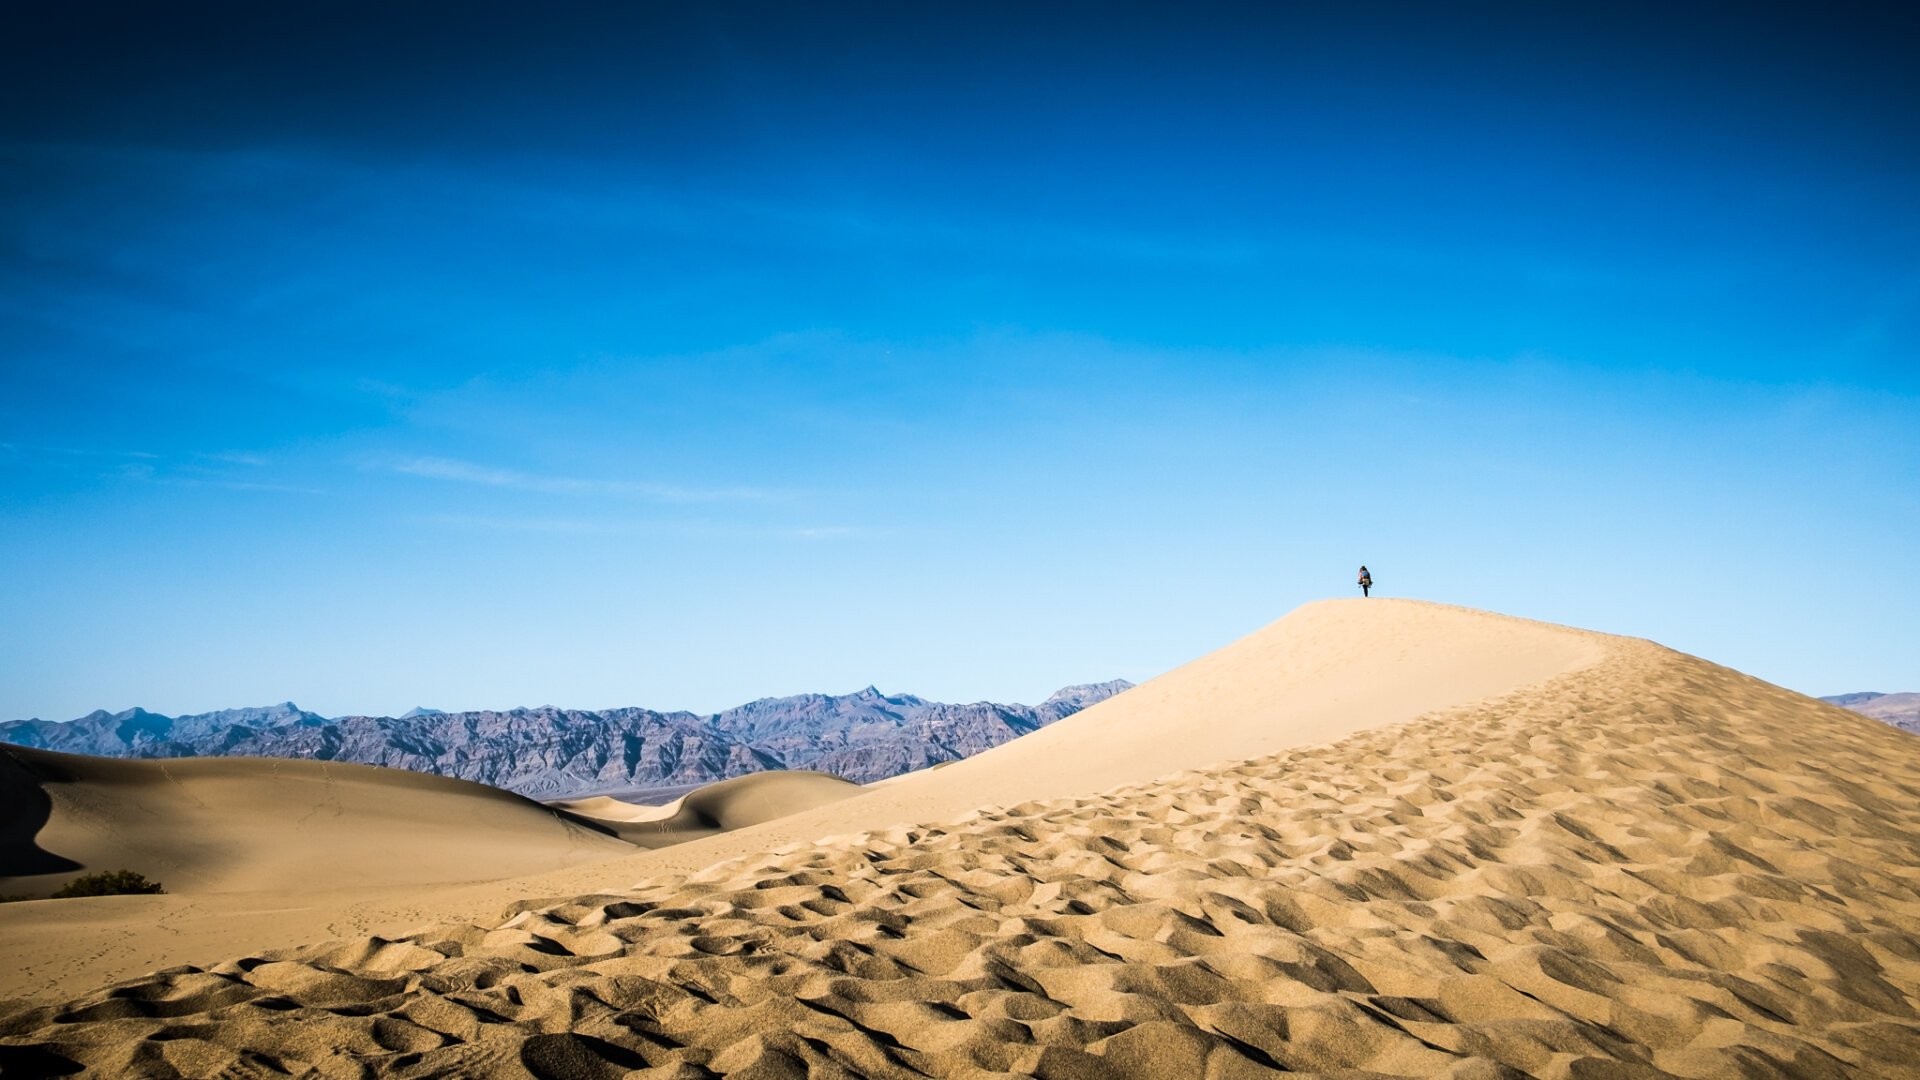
1324, 671
1648, 866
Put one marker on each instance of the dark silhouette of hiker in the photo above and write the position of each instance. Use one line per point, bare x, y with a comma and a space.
1366, 581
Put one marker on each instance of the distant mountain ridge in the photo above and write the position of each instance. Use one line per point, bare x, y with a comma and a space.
1900, 710
548, 752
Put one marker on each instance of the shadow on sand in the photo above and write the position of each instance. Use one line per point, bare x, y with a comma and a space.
25, 807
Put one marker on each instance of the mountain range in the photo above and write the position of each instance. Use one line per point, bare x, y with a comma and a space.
1900, 710
549, 752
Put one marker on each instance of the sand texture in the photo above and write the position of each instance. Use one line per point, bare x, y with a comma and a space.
1645, 866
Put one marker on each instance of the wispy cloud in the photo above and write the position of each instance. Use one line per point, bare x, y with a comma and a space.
826, 532
68, 453
252, 485
199, 478
235, 457
467, 472
200, 469
573, 526
603, 527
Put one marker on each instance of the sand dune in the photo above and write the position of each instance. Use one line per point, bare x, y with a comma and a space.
713, 809
249, 824
1608, 860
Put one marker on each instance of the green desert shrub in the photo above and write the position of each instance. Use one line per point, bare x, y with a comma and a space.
108, 883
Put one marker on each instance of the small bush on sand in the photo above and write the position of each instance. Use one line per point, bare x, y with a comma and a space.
108, 883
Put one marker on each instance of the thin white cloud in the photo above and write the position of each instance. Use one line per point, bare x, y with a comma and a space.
234, 457
250, 485
67, 452
524, 524
144, 473
467, 472
141, 466
607, 527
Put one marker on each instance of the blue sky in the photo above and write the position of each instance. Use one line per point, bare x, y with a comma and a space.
682, 355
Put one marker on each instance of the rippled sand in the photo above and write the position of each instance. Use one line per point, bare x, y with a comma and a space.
1652, 866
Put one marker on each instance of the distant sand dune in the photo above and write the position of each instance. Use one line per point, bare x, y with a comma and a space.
1636, 865
713, 809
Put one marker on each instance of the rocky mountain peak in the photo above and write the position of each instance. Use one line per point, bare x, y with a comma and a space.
1082, 695
550, 752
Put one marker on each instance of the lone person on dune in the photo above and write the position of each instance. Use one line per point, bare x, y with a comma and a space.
1366, 581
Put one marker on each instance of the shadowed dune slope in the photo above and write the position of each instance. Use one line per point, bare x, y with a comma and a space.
1648, 866
251, 824
714, 809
